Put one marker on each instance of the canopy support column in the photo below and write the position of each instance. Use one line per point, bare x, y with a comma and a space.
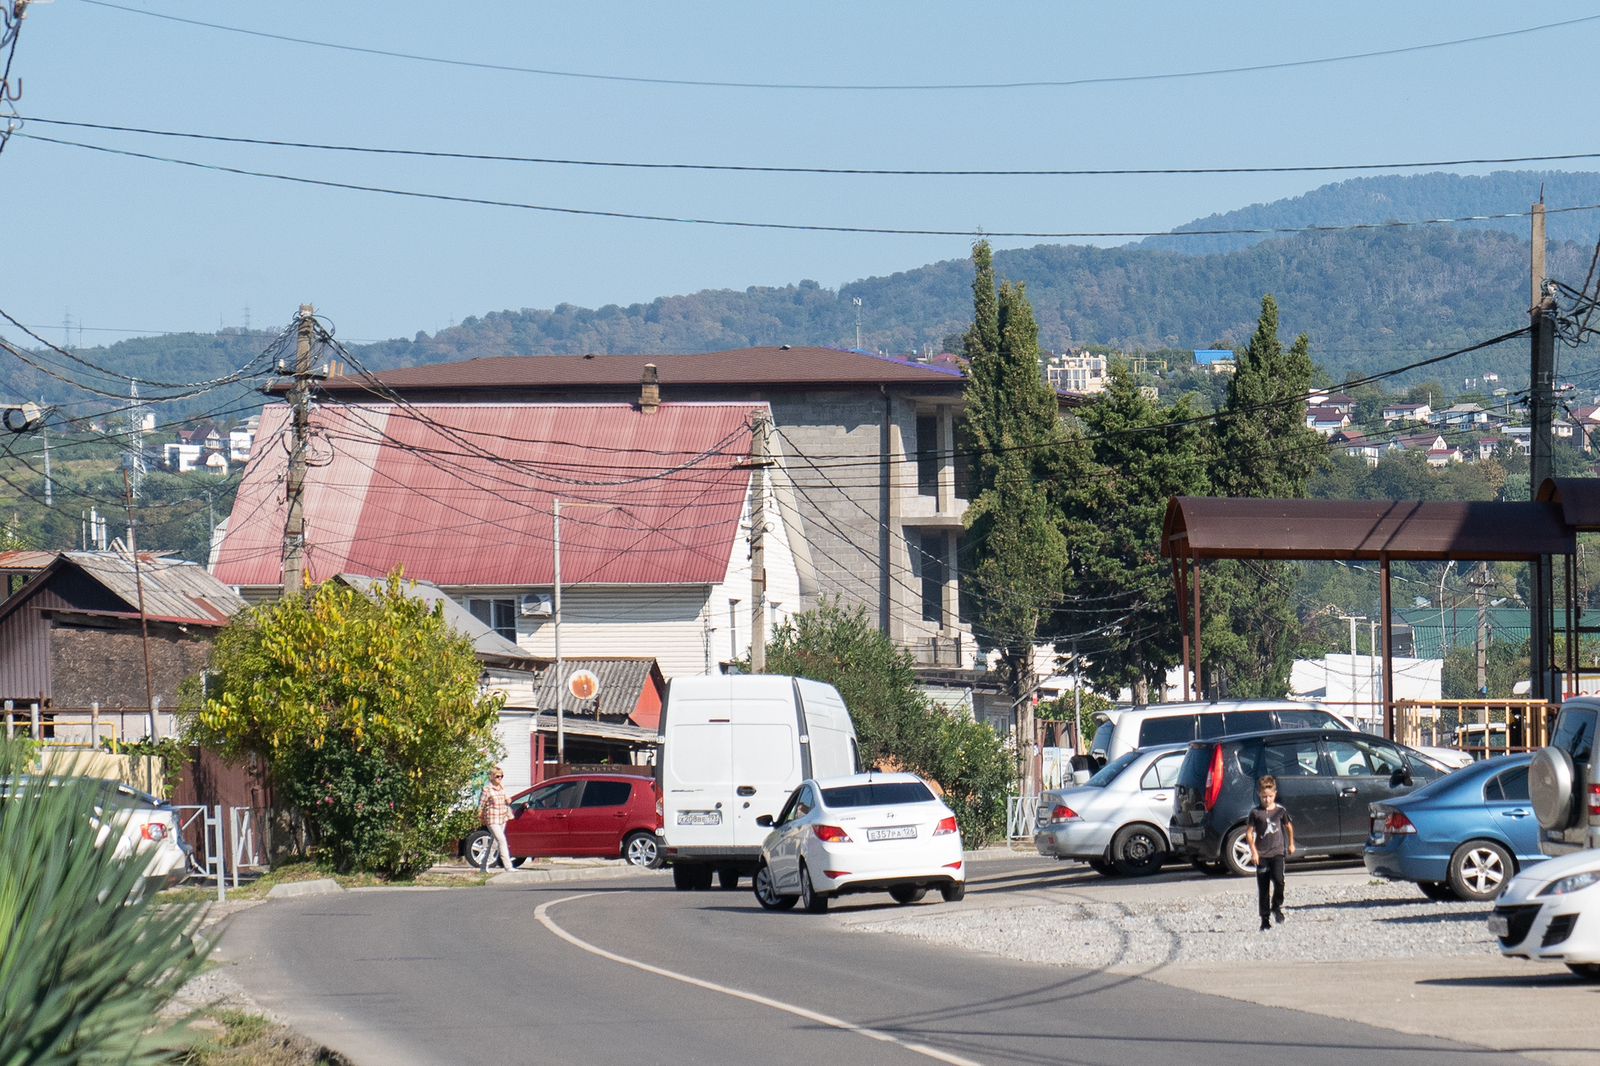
1387, 629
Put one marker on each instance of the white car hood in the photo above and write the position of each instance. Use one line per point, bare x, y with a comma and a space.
1527, 883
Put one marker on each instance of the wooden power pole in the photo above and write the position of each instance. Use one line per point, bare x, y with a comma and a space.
294, 526
1541, 398
760, 454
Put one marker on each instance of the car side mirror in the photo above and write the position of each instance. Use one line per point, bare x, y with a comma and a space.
1400, 777
764, 820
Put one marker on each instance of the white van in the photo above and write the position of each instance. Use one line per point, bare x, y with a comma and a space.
732, 749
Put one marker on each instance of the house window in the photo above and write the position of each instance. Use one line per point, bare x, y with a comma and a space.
928, 458
932, 564
498, 615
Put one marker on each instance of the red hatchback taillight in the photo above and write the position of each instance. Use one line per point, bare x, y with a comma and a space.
1594, 800
831, 834
1062, 813
1214, 778
154, 831
1398, 823
946, 826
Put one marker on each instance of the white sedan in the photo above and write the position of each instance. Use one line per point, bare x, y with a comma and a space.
1552, 911
862, 833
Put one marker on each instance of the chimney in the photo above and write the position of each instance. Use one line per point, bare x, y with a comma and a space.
649, 391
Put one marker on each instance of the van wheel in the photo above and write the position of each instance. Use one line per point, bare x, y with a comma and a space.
728, 877
903, 894
1138, 850
1478, 869
643, 850
813, 901
767, 891
1236, 853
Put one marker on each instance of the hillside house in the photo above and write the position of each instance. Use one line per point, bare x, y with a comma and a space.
71, 648
242, 439
1359, 446
1327, 420
1079, 372
870, 483
654, 505
1406, 412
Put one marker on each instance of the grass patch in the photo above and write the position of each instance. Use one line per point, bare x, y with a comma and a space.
294, 870
237, 1038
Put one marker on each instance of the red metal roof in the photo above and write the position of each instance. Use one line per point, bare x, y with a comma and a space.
755, 367
462, 494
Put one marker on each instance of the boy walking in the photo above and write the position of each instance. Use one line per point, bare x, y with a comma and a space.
1271, 836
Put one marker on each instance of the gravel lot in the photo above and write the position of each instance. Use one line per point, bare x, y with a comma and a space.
1358, 921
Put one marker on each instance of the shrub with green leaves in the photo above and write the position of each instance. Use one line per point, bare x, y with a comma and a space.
367, 712
86, 959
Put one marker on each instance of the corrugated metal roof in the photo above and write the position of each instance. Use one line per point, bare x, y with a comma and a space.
26, 560
462, 494
174, 590
622, 682
780, 365
1218, 528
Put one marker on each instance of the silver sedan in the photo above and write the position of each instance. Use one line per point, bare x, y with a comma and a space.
1117, 822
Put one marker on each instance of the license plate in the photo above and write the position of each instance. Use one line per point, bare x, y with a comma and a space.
699, 817
1499, 925
893, 832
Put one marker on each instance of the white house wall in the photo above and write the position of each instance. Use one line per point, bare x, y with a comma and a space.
730, 627
664, 621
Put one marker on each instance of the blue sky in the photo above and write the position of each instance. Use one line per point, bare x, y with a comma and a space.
123, 244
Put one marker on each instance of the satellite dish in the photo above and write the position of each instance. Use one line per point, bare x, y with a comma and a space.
583, 685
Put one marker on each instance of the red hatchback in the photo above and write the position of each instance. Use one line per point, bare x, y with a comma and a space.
581, 816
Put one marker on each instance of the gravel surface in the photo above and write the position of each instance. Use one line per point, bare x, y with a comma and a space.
1357, 922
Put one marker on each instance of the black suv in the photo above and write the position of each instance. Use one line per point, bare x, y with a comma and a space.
1326, 778
1562, 783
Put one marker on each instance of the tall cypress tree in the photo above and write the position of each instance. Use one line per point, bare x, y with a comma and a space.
1013, 549
1263, 449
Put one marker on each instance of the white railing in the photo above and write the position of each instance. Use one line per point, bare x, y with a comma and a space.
1021, 814
229, 841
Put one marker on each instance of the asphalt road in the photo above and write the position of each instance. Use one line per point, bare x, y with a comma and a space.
550, 973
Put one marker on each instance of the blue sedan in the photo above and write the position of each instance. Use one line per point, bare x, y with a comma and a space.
1461, 836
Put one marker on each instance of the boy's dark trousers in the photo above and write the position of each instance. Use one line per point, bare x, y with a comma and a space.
1269, 884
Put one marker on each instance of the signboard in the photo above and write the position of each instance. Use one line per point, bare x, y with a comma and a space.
583, 685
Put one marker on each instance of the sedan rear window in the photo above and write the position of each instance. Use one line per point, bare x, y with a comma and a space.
1108, 773
877, 794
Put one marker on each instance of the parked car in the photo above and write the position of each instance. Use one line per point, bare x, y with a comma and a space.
579, 815
862, 833
1118, 821
1326, 778
1552, 911
1562, 782
1461, 836
733, 747
132, 822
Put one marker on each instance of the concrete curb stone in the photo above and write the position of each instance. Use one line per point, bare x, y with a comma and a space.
322, 886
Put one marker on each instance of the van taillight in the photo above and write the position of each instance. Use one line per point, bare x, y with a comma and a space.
1594, 801
1214, 778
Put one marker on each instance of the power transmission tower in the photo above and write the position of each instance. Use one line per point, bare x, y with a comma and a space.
294, 526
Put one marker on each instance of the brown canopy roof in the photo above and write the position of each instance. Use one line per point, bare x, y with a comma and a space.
1577, 497
1217, 528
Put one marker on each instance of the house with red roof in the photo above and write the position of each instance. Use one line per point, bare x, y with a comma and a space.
641, 512
867, 481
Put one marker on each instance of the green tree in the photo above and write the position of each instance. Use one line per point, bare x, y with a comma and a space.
1118, 472
367, 712
87, 959
1015, 549
895, 723
1263, 449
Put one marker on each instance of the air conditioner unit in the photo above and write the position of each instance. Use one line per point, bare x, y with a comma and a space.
536, 605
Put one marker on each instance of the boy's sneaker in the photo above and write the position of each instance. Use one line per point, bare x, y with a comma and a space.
1265, 925
1277, 915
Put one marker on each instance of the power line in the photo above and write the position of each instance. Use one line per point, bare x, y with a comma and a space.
633, 216
1114, 79
751, 168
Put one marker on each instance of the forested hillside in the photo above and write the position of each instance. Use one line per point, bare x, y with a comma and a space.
1369, 299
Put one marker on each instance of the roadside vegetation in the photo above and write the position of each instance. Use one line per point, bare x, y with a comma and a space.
87, 960
366, 712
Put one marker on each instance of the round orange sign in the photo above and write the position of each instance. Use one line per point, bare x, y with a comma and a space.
583, 685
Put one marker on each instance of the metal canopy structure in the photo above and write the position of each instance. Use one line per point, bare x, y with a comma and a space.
1377, 530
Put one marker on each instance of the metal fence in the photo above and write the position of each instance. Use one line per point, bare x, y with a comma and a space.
229, 840
1021, 814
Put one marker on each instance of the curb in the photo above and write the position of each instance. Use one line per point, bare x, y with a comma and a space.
322, 886
589, 873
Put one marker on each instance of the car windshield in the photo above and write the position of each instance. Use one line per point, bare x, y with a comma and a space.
877, 794
1108, 773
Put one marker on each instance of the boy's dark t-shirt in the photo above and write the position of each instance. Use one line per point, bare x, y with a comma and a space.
1269, 826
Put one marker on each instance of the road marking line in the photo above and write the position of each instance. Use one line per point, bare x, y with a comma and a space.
751, 997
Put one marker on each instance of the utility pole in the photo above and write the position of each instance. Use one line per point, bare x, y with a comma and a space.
1480, 589
561, 681
758, 545
1353, 619
49, 483
144, 622
1541, 388
857, 301
294, 526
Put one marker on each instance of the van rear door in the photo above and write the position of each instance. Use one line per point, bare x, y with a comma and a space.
696, 760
